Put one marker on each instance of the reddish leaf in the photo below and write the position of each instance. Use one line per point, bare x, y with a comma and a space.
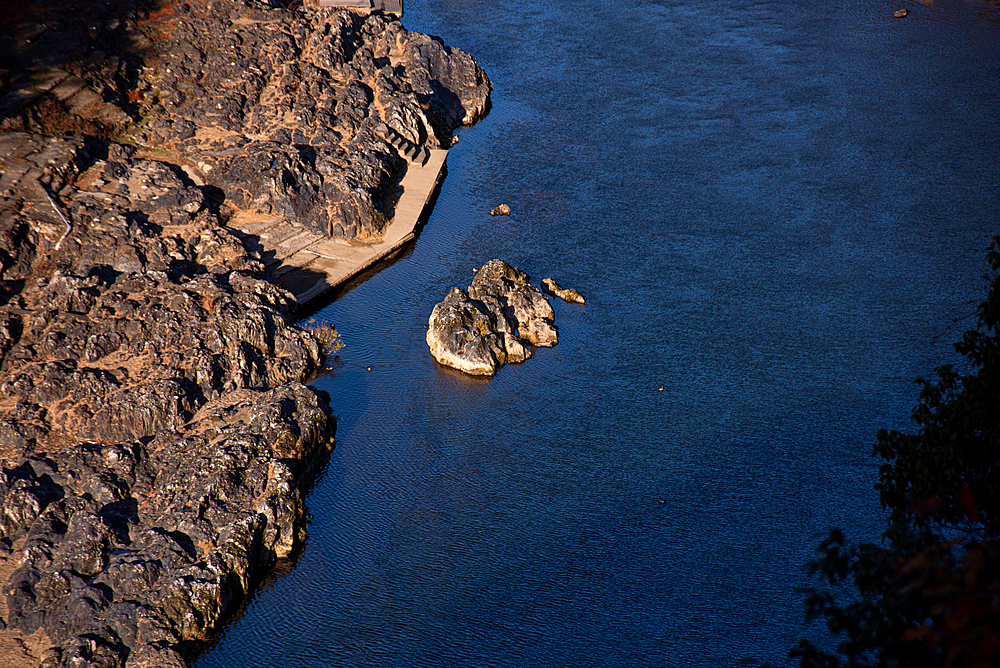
968, 503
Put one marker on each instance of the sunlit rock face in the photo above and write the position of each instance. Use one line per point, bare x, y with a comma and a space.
496, 321
279, 110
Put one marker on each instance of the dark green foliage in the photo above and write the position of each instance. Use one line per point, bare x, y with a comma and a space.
954, 458
929, 595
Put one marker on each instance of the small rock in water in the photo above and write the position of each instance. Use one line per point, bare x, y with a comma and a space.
900, 13
502, 210
495, 322
570, 296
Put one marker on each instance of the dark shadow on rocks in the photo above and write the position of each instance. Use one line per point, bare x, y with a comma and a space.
62, 56
9, 289
184, 541
328, 297
299, 280
215, 201
119, 515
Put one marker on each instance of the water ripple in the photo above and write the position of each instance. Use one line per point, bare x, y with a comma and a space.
776, 217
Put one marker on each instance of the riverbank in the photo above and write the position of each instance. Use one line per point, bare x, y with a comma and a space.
155, 434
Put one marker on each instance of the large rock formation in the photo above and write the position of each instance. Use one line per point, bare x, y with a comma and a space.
125, 549
274, 108
154, 432
479, 330
150, 473
131, 311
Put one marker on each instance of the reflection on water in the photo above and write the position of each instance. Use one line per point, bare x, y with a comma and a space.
778, 216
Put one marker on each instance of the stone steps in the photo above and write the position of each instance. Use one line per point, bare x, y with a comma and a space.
365, 6
67, 88
406, 148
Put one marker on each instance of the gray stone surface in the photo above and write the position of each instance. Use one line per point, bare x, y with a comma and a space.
496, 321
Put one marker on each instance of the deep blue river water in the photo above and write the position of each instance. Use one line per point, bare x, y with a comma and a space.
778, 212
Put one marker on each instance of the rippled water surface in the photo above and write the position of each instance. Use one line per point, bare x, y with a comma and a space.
777, 212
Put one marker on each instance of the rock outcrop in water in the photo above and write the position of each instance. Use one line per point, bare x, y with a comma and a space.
568, 295
155, 437
124, 549
495, 322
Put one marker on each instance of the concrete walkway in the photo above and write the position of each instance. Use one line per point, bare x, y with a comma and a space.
309, 265
366, 6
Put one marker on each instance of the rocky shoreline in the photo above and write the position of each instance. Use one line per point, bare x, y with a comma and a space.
155, 432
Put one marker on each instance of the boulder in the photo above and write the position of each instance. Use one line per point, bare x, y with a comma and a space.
462, 334
520, 307
496, 321
501, 210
